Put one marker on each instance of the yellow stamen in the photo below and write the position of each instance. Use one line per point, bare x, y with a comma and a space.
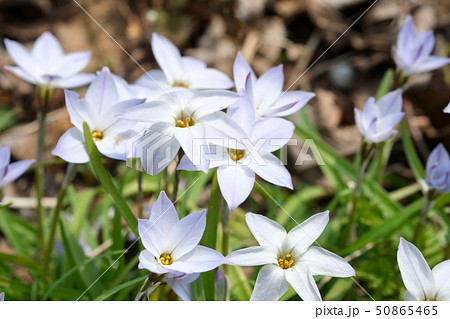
185, 122
165, 259
236, 155
285, 262
180, 84
97, 135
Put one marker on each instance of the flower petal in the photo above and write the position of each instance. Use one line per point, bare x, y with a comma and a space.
23, 58
150, 236
431, 63
275, 131
209, 79
73, 63
148, 261
236, 183
154, 79
302, 236
163, 214
192, 141
75, 81
157, 148
151, 112
181, 285
272, 170
80, 111
186, 234
270, 284
390, 103
302, 281
266, 231
47, 49
416, 273
71, 147
241, 69
21, 73
192, 65
207, 102
102, 93
168, 57
15, 170
447, 109
289, 103
268, 87
199, 259
442, 279
323, 262
252, 256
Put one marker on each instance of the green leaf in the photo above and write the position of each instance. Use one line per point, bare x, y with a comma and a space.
385, 229
73, 270
118, 288
107, 183
411, 155
87, 274
385, 84
19, 233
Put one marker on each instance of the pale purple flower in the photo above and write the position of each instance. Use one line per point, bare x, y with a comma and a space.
2, 296
412, 53
266, 92
172, 245
377, 120
98, 110
185, 120
289, 258
10, 172
438, 170
47, 66
238, 163
178, 72
422, 283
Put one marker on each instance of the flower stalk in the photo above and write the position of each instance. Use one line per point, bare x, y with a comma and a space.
150, 284
68, 178
45, 95
368, 151
428, 203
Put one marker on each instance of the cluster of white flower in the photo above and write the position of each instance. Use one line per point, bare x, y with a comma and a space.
187, 108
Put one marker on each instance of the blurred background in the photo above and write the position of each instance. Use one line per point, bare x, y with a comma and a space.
267, 32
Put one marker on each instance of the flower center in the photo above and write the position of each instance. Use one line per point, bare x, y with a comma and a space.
165, 259
236, 155
97, 135
185, 122
180, 85
285, 261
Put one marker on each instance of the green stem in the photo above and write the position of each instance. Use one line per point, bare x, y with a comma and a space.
140, 194
225, 229
39, 177
45, 96
107, 183
210, 236
176, 176
367, 153
68, 178
428, 203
